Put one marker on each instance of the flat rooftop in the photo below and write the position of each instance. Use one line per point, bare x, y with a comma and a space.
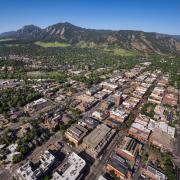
77, 131
118, 163
86, 98
96, 136
129, 144
75, 164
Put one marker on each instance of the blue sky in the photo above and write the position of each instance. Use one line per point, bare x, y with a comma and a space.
147, 15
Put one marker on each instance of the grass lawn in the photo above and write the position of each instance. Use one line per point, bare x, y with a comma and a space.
36, 74
52, 44
7, 39
148, 109
122, 52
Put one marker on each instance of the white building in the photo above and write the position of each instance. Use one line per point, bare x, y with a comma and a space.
27, 172
47, 159
36, 105
75, 165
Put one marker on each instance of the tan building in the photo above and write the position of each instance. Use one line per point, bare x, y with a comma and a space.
142, 119
100, 114
51, 123
170, 99
76, 133
150, 172
118, 98
109, 86
36, 105
95, 142
129, 149
119, 167
139, 132
119, 114
86, 102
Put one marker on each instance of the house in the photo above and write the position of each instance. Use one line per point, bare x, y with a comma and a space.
66, 118
26, 128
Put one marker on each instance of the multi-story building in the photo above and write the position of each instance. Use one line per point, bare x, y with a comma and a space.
76, 133
129, 149
71, 169
95, 142
29, 171
36, 105
139, 132
119, 114
118, 166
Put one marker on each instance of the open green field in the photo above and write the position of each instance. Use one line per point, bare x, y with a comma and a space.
52, 44
36, 74
7, 39
122, 52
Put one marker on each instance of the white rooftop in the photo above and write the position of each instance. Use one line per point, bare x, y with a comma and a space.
39, 101
73, 171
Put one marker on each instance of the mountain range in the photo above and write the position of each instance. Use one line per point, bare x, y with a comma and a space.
78, 36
